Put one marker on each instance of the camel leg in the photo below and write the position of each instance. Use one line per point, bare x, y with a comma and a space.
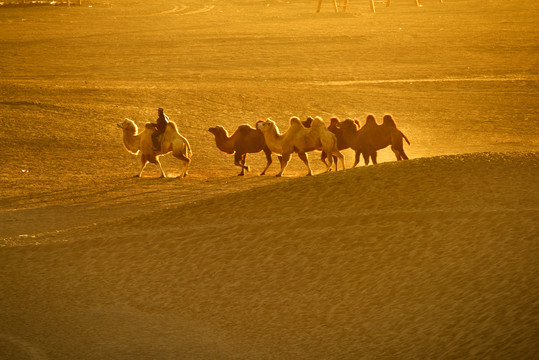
185, 168
374, 155
366, 157
339, 155
399, 153
404, 156
323, 158
305, 159
330, 161
141, 170
284, 162
243, 159
336, 162
143, 163
163, 175
239, 160
186, 162
356, 159
269, 160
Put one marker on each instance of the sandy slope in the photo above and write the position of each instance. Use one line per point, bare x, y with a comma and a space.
430, 258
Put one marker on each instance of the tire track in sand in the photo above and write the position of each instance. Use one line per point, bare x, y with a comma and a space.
178, 10
424, 80
174, 10
204, 9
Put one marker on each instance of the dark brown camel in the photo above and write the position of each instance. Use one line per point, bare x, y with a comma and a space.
335, 127
372, 137
243, 141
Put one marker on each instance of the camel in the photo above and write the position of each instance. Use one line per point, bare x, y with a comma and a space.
172, 141
299, 139
334, 127
394, 136
372, 137
244, 140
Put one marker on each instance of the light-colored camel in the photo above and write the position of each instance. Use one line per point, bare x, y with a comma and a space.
244, 140
334, 127
299, 139
372, 137
172, 141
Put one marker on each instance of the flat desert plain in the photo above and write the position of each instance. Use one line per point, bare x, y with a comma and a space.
435, 257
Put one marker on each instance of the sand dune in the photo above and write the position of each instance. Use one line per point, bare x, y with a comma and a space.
428, 258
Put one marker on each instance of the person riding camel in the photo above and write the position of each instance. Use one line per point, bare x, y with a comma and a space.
160, 126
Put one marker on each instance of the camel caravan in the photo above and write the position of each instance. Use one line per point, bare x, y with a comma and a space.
301, 137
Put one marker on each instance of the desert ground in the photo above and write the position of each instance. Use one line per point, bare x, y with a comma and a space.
435, 257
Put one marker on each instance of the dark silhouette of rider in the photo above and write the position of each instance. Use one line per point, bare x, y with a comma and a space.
160, 126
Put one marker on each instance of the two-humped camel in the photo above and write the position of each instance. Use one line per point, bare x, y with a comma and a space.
372, 137
244, 140
172, 141
299, 139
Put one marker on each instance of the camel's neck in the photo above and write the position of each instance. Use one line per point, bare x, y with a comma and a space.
224, 143
350, 136
131, 141
274, 141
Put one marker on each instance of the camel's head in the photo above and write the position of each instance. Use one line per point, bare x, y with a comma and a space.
267, 126
128, 125
349, 125
217, 130
308, 122
334, 122
318, 121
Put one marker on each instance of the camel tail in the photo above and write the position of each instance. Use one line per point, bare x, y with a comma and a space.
405, 138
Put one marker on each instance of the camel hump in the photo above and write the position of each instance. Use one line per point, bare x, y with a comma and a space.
295, 122
351, 124
317, 121
389, 121
371, 120
173, 126
334, 121
245, 129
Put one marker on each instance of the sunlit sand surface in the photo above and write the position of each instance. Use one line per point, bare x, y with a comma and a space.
430, 258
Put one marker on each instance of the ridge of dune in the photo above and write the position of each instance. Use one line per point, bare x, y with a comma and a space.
474, 182
427, 258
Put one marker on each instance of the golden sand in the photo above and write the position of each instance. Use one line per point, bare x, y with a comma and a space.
429, 258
